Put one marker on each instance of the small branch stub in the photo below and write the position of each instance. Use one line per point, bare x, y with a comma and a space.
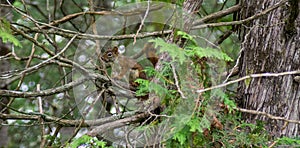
297, 79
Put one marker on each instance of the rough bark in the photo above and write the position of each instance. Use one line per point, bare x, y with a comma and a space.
271, 44
190, 7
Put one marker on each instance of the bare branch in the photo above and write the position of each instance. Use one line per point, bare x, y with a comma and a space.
281, 3
267, 115
65, 122
47, 92
123, 13
68, 34
41, 120
216, 15
177, 82
248, 77
48, 60
118, 123
142, 22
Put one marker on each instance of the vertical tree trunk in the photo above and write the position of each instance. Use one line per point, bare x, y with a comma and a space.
271, 44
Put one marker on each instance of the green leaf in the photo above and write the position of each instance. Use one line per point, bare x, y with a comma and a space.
5, 33
174, 51
208, 53
194, 124
187, 36
180, 137
143, 88
158, 89
204, 123
87, 141
203, 52
150, 71
251, 126
288, 141
230, 103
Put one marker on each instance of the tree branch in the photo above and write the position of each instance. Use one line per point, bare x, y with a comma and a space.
281, 3
216, 15
47, 92
267, 115
65, 122
118, 123
248, 77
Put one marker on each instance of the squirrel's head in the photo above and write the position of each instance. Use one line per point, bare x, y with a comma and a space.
110, 55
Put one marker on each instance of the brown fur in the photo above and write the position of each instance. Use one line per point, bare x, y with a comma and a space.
126, 65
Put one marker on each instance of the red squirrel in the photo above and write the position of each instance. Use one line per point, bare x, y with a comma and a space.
130, 65
127, 64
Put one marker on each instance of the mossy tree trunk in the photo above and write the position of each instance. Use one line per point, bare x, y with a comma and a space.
271, 44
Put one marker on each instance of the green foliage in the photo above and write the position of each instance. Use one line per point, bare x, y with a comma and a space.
187, 37
176, 53
208, 53
160, 89
199, 132
150, 71
194, 125
194, 50
182, 136
250, 134
18, 4
193, 132
197, 124
87, 141
288, 141
54, 140
143, 88
229, 103
6, 33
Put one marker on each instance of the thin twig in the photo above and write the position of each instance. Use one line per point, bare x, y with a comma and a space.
142, 22
75, 132
37, 66
177, 83
118, 123
41, 120
239, 57
267, 115
27, 63
47, 92
248, 77
65, 122
241, 21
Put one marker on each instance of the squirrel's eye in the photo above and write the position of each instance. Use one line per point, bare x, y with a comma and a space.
109, 54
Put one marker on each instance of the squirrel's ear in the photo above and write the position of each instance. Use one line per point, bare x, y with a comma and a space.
115, 49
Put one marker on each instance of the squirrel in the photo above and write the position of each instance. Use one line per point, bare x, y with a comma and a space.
129, 64
125, 63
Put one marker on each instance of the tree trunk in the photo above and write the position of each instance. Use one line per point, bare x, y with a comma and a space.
271, 44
